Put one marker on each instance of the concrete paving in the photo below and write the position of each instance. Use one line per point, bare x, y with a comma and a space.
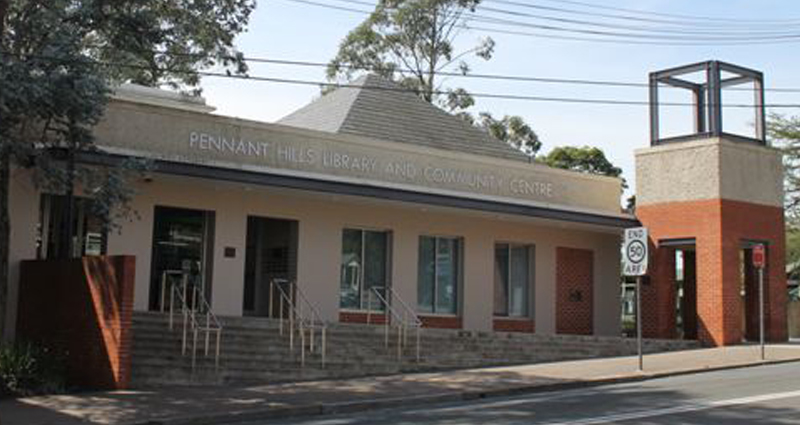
757, 395
216, 404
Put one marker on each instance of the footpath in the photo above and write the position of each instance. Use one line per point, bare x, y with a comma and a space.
199, 405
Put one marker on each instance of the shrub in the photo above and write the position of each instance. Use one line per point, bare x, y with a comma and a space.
28, 369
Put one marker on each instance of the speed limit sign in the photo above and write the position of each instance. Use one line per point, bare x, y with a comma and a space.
634, 252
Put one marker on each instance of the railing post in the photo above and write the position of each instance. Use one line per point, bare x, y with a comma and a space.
369, 307
171, 306
163, 289
207, 330
216, 358
324, 346
185, 325
400, 343
302, 348
291, 328
194, 349
418, 331
271, 297
281, 300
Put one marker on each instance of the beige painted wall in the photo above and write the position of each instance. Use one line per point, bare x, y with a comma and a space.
184, 136
709, 169
24, 215
321, 220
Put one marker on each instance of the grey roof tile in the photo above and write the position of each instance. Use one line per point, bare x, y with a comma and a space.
381, 109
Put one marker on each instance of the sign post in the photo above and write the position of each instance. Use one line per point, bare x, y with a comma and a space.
634, 263
759, 261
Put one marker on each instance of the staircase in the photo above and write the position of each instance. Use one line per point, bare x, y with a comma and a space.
254, 351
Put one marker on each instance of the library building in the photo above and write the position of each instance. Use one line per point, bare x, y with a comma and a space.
372, 212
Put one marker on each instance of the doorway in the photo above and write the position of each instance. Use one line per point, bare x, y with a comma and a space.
271, 254
686, 292
182, 252
748, 290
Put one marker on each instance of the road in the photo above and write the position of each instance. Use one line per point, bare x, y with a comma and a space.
757, 395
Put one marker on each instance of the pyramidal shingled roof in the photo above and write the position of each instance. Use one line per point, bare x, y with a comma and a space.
377, 108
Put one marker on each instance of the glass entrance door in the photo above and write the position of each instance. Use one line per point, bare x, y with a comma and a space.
271, 255
181, 250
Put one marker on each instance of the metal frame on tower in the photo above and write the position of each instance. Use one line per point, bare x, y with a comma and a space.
707, 102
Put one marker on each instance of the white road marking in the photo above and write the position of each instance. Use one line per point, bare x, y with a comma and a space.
507, 403
679, 409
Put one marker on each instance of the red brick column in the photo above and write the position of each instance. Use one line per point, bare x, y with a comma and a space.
83, 309
658, 296
720, 228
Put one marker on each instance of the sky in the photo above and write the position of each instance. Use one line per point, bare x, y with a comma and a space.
285, 29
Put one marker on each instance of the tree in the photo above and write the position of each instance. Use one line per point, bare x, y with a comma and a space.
512, 130
59, 60
412, 42
585, 159
784, 133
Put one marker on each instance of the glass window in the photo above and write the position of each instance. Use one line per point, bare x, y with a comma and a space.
88, 229
439, 274
365, 259
181, 245
512, 279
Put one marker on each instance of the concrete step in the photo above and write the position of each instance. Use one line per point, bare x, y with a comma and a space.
253, 350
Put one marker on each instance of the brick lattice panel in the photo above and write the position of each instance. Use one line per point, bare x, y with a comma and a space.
574, 292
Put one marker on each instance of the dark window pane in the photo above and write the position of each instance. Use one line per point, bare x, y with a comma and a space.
351, 272
446, 275
179, 249
375, 266
519, 281
501, 280
426, 274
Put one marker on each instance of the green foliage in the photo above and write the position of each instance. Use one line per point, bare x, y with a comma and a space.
585, 159
410, 41
793, 251
60, 57
512, 130
58, 61
784, 133
27, 369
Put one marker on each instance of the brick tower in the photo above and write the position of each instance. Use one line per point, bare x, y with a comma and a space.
707, 198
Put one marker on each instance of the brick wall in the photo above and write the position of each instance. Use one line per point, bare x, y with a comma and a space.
503, 324
83, 309
442, 322
719, 228
362, 317
574, 291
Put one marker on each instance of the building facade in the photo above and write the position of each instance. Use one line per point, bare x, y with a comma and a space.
347, 199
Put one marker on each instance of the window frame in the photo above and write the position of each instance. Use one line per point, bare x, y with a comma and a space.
362, 303
82, 214
459, 243
531, 279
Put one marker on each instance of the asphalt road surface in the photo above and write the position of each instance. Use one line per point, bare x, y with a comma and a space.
757, 395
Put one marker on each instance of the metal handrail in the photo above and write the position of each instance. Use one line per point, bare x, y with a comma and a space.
190, 312
302, 316
408, 318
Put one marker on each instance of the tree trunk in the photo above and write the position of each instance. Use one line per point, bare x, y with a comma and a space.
5, 222
68, 229
5, 236
3, 11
